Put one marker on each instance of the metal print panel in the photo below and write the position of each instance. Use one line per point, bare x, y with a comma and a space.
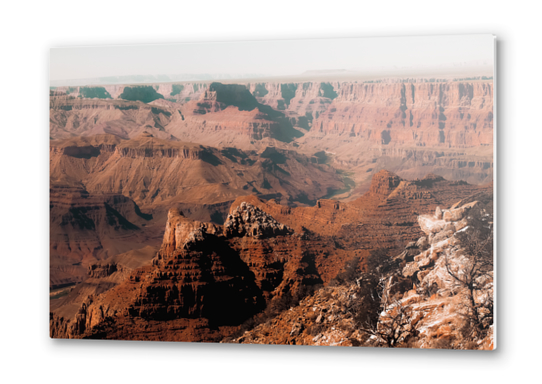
332, 192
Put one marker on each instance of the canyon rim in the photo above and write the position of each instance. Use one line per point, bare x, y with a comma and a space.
326, 192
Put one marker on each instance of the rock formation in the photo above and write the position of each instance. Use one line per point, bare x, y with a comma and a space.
247, 220
411, 127
437, 309
288, 207
207, 275
202, 272
325, 318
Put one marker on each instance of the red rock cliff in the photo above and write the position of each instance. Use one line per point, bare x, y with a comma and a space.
449, 114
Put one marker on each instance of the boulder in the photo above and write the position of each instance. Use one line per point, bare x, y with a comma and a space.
410, 269
454, 214
429, 224
422, 243
443, 235
425, 262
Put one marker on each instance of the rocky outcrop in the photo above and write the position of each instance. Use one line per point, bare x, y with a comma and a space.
439, 229
58, 326
451, 303
419, 305
202, 271
384, 182
326, 318
247, 220
180, 229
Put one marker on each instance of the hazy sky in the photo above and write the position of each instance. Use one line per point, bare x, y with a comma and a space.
278, 57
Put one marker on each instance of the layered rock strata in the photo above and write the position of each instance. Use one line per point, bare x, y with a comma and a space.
261, 253
434, 305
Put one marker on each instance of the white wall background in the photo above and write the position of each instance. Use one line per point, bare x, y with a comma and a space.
29, 29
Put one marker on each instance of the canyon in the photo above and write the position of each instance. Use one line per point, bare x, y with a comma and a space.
425, 301
219, 212
110, 195
411, 126
207, 279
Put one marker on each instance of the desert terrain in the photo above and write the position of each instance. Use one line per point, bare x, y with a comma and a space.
313, 212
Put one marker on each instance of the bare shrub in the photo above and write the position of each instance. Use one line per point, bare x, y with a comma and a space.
472, 272
393, 327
